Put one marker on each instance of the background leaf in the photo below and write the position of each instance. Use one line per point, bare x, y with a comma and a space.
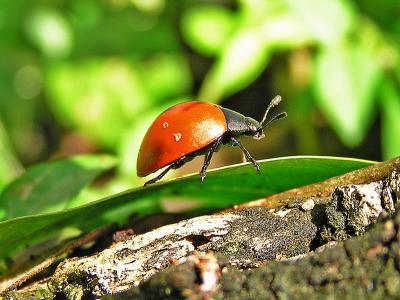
9, 166
345, 81
241, 61
96, 97
390, 121
216, 20
50, 31
326, 21
51, 186
167, 76
223, 187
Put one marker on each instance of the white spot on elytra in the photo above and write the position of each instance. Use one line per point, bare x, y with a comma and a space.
177, 136
165, 125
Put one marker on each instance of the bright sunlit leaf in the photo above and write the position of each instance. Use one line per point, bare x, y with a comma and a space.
50, 31
242, 60
99, 98
149, 6
167, 76
207, 28
326, 21
284, 31
390, 120
294, 22
345, 82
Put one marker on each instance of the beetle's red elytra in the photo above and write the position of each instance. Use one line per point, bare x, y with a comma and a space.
194, 128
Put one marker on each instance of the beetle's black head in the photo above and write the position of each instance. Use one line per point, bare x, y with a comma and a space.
241, 125
254, 128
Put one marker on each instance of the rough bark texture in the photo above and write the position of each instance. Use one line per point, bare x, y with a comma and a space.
366, 267
249, 238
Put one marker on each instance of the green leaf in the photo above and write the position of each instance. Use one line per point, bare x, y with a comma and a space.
296, 23
345, 82
10, 167
285, 32
51, 186
242, 60
222, 188
390, 120
206, 28
99, 97
50, 31
166, 76
326, 21
264, 26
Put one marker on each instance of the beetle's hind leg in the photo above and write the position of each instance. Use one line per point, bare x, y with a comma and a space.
174, 165
208, 156
249, 158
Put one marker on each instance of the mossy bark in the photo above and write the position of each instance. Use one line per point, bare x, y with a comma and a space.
366, 267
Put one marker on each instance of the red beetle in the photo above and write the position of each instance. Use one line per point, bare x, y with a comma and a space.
194, 128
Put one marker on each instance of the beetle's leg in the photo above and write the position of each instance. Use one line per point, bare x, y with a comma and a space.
249, 158
207, 158
174, 165
159, 176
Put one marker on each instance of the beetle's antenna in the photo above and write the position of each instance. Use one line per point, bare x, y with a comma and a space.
277, 117
274, 102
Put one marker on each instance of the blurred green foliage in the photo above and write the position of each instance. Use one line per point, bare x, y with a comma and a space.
52, 186
85, 75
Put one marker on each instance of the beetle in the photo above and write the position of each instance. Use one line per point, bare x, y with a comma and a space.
194, 128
